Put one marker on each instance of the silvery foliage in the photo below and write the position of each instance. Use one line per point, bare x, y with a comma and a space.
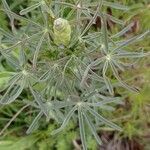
66, 82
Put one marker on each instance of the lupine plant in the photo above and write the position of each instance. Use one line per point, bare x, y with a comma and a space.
65, 66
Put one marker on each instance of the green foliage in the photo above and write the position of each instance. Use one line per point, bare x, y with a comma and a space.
72, 73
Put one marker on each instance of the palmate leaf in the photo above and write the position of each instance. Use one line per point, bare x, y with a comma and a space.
83, 117
64, 82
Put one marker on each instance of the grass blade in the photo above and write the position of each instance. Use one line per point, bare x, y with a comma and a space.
13, 118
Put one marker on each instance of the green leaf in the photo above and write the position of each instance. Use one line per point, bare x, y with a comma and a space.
104, 35
107, 101
25, 142
34, 124
6, 7
105, 121
8, 12
106, 79
114, 19
118, 64
25, 11
131, 41
92, 128
37, 50
7, 34
93, 19
38, 98
122, 32
115, 5
18, 17
11, 59
13, 91
4, 79
97, 61
82, 129
85, 76
66, 120
115, 72
106, 107
131, 55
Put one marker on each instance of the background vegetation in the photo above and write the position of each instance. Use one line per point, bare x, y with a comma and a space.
134, 116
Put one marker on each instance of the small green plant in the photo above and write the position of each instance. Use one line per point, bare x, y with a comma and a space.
58, 63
